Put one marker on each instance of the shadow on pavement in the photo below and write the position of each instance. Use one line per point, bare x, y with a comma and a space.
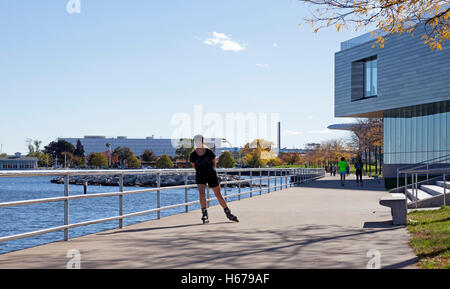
350, 184
382, 224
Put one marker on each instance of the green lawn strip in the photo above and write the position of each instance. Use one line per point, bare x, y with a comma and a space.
430, 237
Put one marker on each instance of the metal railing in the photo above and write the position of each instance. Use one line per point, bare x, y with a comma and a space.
424, 169
423, 164
296, 176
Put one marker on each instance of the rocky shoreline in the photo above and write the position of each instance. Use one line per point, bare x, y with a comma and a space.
174, 179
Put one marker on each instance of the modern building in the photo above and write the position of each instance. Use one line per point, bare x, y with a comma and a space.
18, 162
407, 84
95, 144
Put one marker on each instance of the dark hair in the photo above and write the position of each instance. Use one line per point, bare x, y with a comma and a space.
342, 159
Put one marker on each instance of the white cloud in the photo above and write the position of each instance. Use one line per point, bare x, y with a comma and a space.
275, 45
291, 132
262, 65
225, 42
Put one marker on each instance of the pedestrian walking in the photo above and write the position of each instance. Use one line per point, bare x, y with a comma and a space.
359, 171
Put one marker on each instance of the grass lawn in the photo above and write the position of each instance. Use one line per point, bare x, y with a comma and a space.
430, 237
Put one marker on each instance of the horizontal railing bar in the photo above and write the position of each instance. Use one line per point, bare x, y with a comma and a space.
30, 234
437, 170
29, 202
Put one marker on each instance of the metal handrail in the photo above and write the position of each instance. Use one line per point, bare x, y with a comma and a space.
417, 170
427, 163
298, 175
436, 170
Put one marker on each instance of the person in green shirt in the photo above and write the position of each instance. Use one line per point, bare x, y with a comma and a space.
342, 170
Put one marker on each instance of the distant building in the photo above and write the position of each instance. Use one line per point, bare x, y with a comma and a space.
95, 144
312, 146
292, 151
18, 162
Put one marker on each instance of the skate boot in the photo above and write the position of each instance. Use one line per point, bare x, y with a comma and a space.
230, 216
205, 216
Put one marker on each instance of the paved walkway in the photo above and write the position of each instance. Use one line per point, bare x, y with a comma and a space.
316, 225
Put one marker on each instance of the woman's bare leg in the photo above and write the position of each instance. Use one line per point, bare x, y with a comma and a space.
219, 197
201, 191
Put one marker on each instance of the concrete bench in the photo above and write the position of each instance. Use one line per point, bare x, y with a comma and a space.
397, 203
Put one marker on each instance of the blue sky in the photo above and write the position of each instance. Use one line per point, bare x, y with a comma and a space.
126, 67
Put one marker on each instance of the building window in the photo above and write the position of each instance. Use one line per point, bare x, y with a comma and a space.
370, 76
364, 78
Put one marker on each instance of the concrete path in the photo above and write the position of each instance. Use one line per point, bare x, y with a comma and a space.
316, 225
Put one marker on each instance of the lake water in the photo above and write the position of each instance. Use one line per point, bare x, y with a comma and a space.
27, 218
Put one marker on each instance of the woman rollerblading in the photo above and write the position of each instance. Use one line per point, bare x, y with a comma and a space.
203, 160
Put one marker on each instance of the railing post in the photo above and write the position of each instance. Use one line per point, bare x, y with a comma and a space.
406, 184
186, 194
269, 175
286, 178
158, 182
260, 182
417, 189
239, 187
281, 179
121, 202
251, 183
427, 174
445, 191
66, 207
275, 186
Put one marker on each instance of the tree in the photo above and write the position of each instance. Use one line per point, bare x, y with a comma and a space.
67, 158
367, 138
122, 154
44, 160
133, 162
79, 150
3, 155
97, 160
164, 162
226, 160
275, 162
37, 145
56, 148
78, 161
291, 158
389, 16
148, 156
185, 149
254, 160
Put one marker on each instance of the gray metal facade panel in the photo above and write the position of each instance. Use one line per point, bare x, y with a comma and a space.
409, 73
